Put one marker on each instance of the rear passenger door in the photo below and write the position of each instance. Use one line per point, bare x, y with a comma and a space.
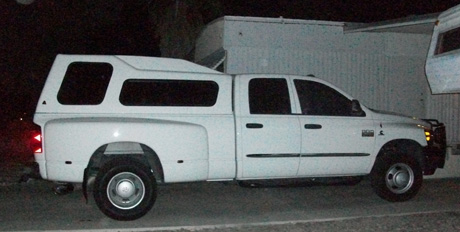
268, 133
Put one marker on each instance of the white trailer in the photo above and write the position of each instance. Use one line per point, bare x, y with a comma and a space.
442, 64
381, 63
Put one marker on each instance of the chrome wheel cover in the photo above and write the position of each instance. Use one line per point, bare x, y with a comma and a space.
125, 190
399, 178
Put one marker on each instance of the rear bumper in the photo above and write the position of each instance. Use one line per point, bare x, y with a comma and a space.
40, 166
34, 170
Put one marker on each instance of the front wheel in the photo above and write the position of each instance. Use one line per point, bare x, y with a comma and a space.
397, 177
125, 189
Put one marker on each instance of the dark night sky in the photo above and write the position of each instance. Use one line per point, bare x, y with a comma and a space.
31, 35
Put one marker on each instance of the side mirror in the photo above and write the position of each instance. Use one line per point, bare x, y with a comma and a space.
356, 109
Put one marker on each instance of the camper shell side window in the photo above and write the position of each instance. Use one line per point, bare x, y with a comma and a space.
149, 92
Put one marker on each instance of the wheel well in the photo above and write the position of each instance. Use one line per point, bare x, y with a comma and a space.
146, 155
404, 146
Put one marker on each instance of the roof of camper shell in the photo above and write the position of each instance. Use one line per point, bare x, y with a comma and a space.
164, 64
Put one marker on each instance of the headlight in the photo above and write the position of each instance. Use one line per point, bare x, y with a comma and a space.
428, 135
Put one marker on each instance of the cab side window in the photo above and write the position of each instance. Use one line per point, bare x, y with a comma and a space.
269, 96
319, 99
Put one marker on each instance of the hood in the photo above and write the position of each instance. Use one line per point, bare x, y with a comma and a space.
398, 117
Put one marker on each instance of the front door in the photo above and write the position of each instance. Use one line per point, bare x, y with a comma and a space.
335, 142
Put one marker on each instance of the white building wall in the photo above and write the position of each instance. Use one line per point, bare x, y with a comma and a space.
383, 70
365, 76
446, 108
372, 67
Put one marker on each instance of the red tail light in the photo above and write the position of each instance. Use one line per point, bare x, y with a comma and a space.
36, 143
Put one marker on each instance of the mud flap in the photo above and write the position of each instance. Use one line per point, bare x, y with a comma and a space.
84, 185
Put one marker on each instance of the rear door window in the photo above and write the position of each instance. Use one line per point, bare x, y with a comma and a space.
269, 96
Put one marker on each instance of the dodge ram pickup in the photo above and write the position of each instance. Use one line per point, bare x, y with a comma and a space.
123, 125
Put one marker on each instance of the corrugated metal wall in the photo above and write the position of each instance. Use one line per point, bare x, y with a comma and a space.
375, 80
446, 108
396, 84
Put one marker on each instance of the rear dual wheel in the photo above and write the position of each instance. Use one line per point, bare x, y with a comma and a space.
125, 189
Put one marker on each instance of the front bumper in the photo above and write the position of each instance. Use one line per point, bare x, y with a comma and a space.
435, 152
434, 158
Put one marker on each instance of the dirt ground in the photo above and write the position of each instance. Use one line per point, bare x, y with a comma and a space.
11, 172
16, 174
446, 222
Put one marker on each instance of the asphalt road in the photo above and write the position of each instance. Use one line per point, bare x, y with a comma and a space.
228, 207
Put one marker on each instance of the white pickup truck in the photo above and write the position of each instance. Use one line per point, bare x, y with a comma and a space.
124, 124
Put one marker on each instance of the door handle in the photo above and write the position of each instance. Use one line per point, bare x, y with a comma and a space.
254, 125
313, 126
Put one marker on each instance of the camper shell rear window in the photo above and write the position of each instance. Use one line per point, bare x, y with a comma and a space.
148, 92
85, 83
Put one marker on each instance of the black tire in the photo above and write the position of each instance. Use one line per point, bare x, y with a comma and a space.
125, 189
396, 177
